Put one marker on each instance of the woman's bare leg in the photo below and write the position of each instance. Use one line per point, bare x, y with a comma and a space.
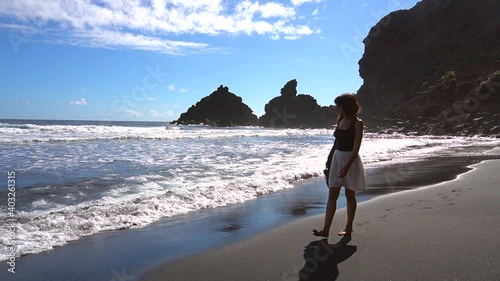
351, 209
331, 207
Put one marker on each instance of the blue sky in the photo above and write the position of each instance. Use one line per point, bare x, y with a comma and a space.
151, 60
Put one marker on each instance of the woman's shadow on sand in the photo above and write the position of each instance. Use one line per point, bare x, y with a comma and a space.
321, 259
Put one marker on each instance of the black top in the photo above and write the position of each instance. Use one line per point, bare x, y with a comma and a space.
345, 138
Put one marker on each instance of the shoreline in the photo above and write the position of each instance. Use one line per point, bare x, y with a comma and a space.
436, 225
170, 240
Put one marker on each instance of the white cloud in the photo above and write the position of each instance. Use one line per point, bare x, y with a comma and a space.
316, 11
171, 87
26, 102
19, 28
133, 113
272, 9
300, 2
82, 101
149, 25
295, 32
150, 98
97, 38
156, 113
182, 90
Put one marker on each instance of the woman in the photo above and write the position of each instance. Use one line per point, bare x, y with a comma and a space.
344, 166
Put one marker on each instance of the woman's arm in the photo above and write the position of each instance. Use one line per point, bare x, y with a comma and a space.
330, 156
358, 136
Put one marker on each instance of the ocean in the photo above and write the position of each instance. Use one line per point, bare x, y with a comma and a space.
78, 178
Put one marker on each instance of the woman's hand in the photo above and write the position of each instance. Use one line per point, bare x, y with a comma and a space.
326, 172
344, 171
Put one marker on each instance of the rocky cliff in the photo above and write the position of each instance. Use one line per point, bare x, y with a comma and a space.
434, 69
221, 109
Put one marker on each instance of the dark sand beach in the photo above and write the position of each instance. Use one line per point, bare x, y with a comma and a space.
445, 231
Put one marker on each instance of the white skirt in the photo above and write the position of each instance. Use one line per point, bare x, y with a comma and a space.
355, 178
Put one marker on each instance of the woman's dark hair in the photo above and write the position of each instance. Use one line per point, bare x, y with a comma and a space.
349, 104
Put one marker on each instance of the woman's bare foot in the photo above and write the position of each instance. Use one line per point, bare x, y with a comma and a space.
321, 233
346, 231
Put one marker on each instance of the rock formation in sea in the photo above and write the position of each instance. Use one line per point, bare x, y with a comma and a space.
434, 69
290, 110
220, 109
